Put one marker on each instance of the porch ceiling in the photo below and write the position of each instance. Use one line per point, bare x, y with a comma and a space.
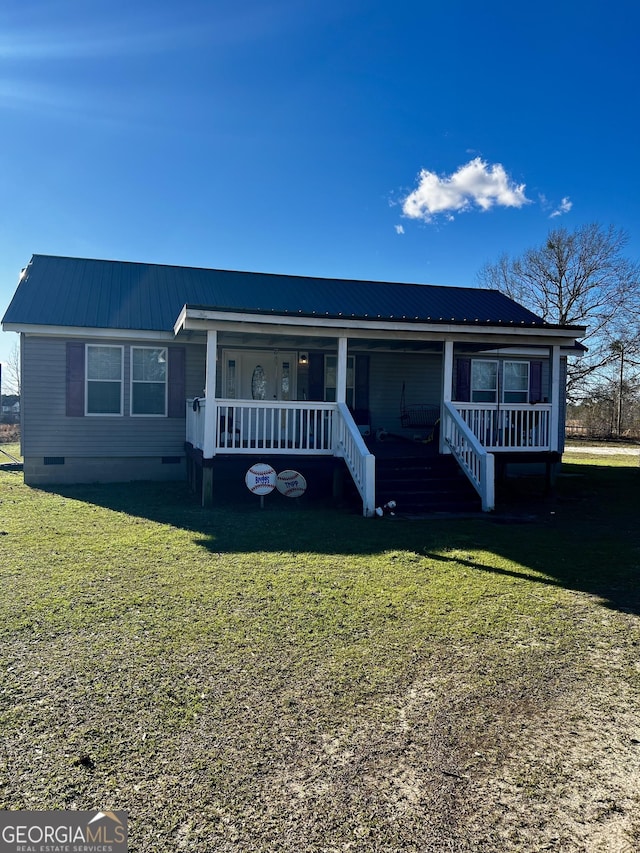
282, 339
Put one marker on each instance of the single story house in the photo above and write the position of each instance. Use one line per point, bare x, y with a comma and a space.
144, 371
11, 408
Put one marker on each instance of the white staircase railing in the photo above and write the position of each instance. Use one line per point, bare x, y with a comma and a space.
361, 463
472, 457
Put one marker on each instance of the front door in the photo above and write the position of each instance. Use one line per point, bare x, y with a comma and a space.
263, 376
259, 375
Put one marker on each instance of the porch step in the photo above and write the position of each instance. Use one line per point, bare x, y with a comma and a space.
428, 485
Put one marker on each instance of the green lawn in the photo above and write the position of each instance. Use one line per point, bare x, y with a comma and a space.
10, 449
299, 679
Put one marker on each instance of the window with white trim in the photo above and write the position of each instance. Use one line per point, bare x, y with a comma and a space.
484, 381
331, 378
509, 378
149, 381
104, 380
515, 383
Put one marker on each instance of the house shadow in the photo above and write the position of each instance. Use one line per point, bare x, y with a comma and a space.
584, 536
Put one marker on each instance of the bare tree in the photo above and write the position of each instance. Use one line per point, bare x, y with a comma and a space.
11, 372
576, 278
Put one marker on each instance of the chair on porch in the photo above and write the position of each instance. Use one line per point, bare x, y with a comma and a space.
229, 437
362, 417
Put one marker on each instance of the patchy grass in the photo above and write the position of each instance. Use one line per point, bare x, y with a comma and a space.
9, 451
295, 679
629, 458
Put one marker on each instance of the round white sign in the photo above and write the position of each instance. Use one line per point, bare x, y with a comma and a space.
291, 484
260, 479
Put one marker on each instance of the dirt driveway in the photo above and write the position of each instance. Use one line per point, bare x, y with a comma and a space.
604, 449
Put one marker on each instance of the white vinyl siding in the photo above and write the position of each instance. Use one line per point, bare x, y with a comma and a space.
104, 380
49, 432
149, 381
331, 378
388, 372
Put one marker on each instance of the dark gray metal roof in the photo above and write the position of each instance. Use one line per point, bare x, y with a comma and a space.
58, 291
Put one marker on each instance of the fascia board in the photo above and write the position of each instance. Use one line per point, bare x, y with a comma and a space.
88, 332
523, 351
202, 319
180, 322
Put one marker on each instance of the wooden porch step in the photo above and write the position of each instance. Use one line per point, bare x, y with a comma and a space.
424, 485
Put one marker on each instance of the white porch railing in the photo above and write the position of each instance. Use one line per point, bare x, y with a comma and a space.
279, 427
244, 426
195, 422
522, 427
472, 457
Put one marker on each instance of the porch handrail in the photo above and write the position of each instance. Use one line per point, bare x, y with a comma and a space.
279, 426
288, 427
522, 427
361, 463
195, 421
473, 458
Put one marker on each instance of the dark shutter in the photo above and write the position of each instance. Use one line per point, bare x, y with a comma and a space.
535, 382
75, 379
463, 380
176, 379
361, 395
316, 376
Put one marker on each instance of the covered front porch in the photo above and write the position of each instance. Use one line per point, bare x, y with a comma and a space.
256, 419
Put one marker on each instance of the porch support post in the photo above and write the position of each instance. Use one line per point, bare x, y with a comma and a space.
447, 386
556, 402
209, 440
341, 379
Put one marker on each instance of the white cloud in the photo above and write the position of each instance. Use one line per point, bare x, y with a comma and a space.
476, 184
564, 207
399, 229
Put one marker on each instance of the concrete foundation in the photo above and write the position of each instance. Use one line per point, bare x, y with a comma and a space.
40, 471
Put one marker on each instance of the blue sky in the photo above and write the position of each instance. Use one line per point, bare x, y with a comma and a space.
406, 141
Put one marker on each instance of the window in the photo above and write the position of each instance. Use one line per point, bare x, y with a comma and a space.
331, 378
231, 379
512, 377
516, 382
104, 380
484, 381
285, 381
149, 381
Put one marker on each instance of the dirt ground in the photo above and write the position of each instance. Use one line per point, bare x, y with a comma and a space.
562, 775
605, 449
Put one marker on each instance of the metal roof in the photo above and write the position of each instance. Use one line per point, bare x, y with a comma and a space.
79, 292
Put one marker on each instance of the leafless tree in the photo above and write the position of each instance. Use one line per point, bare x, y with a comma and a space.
11, 372
579, 278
